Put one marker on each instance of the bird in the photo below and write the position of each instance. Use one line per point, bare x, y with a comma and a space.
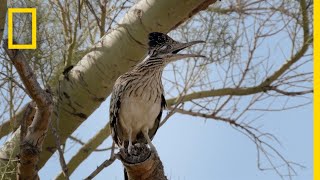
137, 99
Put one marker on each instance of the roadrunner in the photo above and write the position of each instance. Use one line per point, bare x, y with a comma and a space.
137, 99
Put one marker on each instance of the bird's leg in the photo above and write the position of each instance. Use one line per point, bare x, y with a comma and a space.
130, 146
146, 135
112, 149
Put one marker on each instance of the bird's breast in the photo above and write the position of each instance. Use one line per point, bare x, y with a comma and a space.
137, 114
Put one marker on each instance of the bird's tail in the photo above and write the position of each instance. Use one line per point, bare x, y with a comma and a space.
125, 174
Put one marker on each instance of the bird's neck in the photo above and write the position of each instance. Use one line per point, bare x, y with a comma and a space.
151, 67
145, 80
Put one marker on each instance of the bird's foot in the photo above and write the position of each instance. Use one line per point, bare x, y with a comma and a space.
138, 145
138, 154
134, 149
130, 147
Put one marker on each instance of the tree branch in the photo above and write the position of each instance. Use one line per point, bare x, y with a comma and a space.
259, 138
86, 150
61, 156
105, 164
3, 14
75, 139
143, 164
32, 142
287, 93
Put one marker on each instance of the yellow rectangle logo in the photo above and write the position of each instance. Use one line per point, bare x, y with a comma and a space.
33, 44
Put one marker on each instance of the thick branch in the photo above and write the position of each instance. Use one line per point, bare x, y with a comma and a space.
32, 142
143, 164
36, 93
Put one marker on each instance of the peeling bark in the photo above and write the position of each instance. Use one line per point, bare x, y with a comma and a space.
27, 119
13, 124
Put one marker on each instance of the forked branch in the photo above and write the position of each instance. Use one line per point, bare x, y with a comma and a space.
32, 141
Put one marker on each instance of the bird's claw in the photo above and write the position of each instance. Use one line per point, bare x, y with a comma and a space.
130, 149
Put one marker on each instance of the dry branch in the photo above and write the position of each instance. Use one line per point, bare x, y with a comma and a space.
105, 164
60, 151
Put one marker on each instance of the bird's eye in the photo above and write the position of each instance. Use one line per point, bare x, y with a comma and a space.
163, 48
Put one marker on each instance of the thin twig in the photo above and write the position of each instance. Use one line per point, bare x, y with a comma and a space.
83, 143
61, 156
105, 164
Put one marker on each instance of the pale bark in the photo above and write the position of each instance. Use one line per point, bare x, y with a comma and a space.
91, 80
3, 13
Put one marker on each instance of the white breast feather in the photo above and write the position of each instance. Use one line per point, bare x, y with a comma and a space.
137, 113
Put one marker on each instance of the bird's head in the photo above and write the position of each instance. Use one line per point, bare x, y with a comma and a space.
164, 47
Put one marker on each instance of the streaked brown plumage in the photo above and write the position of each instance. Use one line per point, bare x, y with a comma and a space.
137, 99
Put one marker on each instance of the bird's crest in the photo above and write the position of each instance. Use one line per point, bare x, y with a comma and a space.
159, 40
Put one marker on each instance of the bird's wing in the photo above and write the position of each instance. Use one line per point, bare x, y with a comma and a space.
153, 131
115, 104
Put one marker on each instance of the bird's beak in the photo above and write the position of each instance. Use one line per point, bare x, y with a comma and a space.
180, 46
